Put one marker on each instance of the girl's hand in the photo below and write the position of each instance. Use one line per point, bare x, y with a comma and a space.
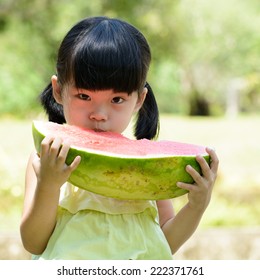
200, 192
50, 167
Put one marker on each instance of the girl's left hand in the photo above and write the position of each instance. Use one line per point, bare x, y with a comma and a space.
200, 191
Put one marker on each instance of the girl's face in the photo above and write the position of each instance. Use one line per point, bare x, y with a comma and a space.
101, 110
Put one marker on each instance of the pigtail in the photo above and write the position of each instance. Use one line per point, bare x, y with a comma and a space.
147, 123
52, 108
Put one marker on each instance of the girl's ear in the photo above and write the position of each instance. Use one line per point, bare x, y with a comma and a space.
141, 99
56, 90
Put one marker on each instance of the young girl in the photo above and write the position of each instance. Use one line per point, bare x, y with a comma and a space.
100, 84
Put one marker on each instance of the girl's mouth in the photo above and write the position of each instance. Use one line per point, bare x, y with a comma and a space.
98, 130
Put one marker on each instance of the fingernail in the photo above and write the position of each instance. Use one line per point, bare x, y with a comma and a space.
188, 167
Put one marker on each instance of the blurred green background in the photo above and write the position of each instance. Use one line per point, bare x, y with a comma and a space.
205, 74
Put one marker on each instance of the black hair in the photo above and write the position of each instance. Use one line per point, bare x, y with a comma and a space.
101, 53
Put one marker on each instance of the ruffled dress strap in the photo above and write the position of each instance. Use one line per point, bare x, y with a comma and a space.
75, 199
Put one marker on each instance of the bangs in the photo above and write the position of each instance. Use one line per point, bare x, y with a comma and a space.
108, 56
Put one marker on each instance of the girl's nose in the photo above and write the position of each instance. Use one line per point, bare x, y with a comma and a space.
98, 115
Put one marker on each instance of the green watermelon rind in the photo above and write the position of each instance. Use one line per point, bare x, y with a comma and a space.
128, 178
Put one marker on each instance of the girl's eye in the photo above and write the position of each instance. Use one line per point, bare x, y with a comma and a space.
117, 100
83, 96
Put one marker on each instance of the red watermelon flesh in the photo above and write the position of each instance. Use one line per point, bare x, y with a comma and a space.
118, 144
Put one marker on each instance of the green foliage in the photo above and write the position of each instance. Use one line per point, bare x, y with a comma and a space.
198, 50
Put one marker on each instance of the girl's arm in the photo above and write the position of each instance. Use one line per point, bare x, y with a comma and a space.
179, 228
45, 175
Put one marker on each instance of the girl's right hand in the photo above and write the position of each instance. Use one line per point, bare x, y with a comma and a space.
50, 167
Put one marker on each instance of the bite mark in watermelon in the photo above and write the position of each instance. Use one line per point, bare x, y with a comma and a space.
115, 166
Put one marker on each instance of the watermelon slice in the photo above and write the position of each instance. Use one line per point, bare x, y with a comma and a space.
115, 166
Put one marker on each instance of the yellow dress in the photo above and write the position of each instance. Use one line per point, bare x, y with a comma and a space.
94, 227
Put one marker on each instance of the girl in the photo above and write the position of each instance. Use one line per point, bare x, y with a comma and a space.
100, 84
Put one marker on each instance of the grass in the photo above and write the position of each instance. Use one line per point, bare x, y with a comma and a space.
236, 197
15, 147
